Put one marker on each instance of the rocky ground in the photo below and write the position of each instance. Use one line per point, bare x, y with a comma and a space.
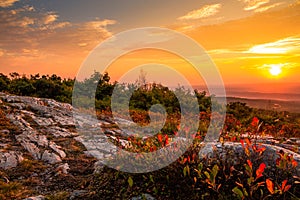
41, 149
43, 155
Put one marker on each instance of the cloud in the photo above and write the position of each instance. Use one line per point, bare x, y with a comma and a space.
100, 23
7, 3
34, 41
205, 11
22, 9
24, 30
26, 21
279, 65
254, 4
50, 18
283, 46
83, 44
256, 29
265, 8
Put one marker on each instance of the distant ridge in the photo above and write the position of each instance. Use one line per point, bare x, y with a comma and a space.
269, 104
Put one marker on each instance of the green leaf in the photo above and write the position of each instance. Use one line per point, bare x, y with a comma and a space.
130, 181
188, 170
250, 180
245, 192
184, 171
207, 174
237, 191
215, 170
200, 167
155, 190
248, 169
213, 174
151, 178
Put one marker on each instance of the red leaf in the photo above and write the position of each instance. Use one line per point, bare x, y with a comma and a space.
255, 121
248, 142
262, 167
260, 170
159, 137
287, 188
233, 139
184, 160
270, 186
249, 163
166, 140
294, 163
283, 184
242, 142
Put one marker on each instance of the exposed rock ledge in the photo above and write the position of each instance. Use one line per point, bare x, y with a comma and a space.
40, 121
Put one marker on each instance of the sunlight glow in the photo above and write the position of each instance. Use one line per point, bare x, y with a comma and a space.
275, 70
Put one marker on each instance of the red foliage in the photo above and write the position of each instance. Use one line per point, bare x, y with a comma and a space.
166, 139
270, 186
255, 121
249, 163
260, 170
159, 137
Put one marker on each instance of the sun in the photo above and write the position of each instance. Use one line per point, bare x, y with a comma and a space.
275, 70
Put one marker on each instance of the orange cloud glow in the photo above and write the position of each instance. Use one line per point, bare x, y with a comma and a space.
244, 38
204, 12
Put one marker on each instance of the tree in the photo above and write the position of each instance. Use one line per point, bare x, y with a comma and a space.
4, 82
142, 80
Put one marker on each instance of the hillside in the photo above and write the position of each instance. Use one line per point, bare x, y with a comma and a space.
43, 155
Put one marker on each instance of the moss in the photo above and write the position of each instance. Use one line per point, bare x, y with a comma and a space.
58, 196
13, 190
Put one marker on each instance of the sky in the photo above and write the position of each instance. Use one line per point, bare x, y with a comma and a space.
250, 41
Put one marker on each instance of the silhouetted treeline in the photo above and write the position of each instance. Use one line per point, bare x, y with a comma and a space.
60, 89
44, 86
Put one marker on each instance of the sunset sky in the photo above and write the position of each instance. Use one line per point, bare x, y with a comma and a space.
250, 41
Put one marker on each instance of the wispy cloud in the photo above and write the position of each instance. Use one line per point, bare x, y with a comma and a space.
286, 45
31, 37
279, 65
7, 3
26, 28
205, 11
265, 8
254, 4
222, 51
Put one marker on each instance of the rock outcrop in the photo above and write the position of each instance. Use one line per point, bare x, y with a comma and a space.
45, 130
234, 150
41, 121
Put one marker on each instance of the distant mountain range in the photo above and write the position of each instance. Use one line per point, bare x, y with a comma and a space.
271, 91
270, 96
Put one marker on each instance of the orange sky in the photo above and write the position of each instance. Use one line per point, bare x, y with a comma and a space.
245, 38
